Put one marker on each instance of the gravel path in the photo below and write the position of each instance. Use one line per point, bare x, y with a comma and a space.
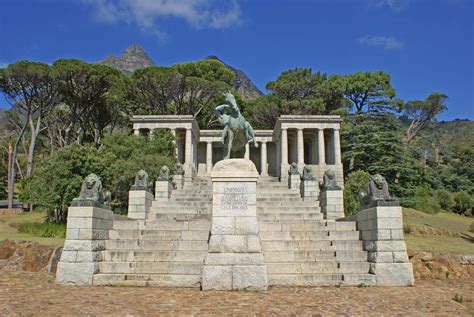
36, 294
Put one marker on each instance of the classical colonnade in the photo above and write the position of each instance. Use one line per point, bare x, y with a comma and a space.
306, 140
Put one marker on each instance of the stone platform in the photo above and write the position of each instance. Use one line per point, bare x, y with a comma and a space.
244, 231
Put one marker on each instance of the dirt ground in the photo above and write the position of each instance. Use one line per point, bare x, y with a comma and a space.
36, 294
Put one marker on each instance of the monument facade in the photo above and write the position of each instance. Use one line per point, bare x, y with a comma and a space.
245, 210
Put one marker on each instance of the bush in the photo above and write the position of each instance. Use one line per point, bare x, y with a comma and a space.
445, 199
423, 200
57, 179
464, 203
45, 230
355, 183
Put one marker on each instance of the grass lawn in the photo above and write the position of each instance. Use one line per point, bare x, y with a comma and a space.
437, 244
8, 229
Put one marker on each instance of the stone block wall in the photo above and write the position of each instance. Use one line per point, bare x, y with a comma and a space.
139, 203
381, 230
87, 230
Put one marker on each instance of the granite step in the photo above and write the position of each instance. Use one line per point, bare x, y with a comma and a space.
325, 245
269, 216
185, 268
155, 245
307, 225
315, 256
151, 280
320, 279
152, 256
309, 235
318, 267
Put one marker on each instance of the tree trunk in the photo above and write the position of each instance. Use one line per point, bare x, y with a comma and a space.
10, 168
31, 150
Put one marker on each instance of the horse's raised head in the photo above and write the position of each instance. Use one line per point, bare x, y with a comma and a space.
229, 97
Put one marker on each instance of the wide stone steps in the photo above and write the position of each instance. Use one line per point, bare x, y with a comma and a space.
155, 245
197, 215
288, 209
189, 235
325, 245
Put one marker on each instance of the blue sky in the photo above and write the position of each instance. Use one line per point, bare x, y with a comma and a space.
426, 45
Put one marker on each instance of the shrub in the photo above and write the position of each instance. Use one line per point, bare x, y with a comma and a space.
355, 183
445, 199
423, 200
45, 230
464, 203
407, 229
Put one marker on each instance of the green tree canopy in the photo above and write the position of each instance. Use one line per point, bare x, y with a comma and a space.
371, 90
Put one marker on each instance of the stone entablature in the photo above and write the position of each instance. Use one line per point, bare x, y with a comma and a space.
308, 140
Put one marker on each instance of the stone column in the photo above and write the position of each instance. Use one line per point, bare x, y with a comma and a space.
263, 158
234, 260
337, 147
209, 157
284, 155
247, 151
87, 230
278, 157
188, 152
300, 145
136, 131
321, 149
173, 132
284, 147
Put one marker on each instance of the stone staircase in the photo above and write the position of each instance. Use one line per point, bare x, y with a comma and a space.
167, 249
300, 247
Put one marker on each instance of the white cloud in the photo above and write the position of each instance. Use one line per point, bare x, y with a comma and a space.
386, 42
3, 65
148, 14
395, 5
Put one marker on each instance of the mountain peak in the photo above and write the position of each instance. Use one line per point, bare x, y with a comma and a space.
133, 58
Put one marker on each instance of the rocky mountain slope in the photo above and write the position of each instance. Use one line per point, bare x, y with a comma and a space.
135, 57
132, 59
242, 83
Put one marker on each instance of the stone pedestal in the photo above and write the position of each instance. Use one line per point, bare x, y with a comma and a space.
87, 230
294, 181
234, 259
332, 203
163, 190
381, 228
179, 180
139, 203
309, 189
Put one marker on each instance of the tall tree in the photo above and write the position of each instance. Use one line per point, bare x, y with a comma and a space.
421, 113
300, 91
32, 88
86, 89
371, 90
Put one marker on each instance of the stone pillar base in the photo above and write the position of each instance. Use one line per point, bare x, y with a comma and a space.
381, 229
179, 180
294, 181
234, 260
163, 190
139, 203
332, 204
87, 230
309, 190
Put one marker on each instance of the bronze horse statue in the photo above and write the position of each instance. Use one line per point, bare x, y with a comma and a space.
237, 131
